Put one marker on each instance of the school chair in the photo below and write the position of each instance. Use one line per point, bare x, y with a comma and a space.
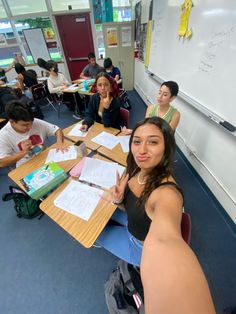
186, 227
40, 95
124, 113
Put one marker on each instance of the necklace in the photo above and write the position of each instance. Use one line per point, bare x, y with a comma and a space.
139, 181
164, 115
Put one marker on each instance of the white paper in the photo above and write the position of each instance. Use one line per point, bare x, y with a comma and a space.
105, 139
99, 172
126, 36
72, 87
57, 156
74, 199
76, 131
124, 142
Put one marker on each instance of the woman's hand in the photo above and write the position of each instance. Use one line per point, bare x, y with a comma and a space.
106, 101
84, 128
61, 146
116, 193
126, 131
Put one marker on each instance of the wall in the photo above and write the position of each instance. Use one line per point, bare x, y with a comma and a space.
209, 148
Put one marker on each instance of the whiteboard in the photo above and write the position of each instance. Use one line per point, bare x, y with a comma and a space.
36, 43
204, 66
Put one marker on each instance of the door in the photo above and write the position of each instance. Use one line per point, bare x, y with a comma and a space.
77, 40
119, 46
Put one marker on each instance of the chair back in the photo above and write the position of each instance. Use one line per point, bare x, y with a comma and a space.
186, 227
124, 113
38, 92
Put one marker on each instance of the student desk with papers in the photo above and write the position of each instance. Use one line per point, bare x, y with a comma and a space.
95, 129
116, 154
84, 231
37, 161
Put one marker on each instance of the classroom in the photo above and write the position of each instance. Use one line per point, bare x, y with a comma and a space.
59, 261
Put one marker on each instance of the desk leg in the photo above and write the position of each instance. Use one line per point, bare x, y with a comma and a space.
77, 114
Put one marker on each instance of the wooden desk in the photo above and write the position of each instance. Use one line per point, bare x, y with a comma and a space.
94, 130
115, 154
37, 161
86, 232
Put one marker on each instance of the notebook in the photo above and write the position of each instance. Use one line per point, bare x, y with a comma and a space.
41, 181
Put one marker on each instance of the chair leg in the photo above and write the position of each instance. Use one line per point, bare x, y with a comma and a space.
51, 103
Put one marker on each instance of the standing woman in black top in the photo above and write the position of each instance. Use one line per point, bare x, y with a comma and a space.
103, 107
26, 79
147, 192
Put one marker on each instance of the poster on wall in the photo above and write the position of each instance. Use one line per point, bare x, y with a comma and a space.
112, 37
126, 36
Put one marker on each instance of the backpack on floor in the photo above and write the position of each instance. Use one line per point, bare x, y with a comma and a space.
123, 290
25, 206
125, 102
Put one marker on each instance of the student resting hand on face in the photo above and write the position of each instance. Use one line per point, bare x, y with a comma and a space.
103, 107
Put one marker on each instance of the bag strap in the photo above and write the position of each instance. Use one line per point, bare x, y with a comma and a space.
9, 196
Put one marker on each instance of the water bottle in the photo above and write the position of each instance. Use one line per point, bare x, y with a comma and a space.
86, 86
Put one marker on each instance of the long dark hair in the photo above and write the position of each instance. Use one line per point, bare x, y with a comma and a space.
164, 168
115, 90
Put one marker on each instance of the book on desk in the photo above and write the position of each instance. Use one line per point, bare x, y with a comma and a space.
41, 181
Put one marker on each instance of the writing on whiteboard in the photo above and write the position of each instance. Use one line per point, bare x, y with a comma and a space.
217, 41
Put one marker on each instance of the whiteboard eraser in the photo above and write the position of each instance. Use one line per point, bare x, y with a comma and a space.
228, 126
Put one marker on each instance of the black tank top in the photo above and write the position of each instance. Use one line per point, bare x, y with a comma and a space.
138, 220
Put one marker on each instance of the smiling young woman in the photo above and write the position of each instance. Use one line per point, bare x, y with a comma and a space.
145, 191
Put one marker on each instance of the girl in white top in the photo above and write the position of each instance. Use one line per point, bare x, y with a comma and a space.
56, 81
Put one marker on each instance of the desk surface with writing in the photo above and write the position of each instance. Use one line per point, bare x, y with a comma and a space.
36, 162
116, 154
86, 232
94, 131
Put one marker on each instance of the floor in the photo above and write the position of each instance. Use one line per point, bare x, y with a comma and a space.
43, 270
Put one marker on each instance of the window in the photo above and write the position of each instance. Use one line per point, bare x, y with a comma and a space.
49, 34
121, 3
65, 5
8, 44
19, 7
2, 11
121, 14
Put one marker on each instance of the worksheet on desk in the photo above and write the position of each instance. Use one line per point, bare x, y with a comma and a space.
124, 142
54, 155
73, 87
106, 139
78, 199
76, 131
99, 172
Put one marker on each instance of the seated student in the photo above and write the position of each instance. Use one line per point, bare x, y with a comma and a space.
92, 69
23, 136
103, 107
111, 70
170, 273
3, 78
56, 81
26, 79
147, 191
163, 109
167, 93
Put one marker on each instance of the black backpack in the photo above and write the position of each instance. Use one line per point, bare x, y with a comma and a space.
125, 102
25, 206
124, 291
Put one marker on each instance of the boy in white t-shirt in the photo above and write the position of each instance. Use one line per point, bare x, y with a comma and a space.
23, 136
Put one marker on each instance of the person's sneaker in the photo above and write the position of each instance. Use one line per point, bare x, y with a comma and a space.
76, 116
